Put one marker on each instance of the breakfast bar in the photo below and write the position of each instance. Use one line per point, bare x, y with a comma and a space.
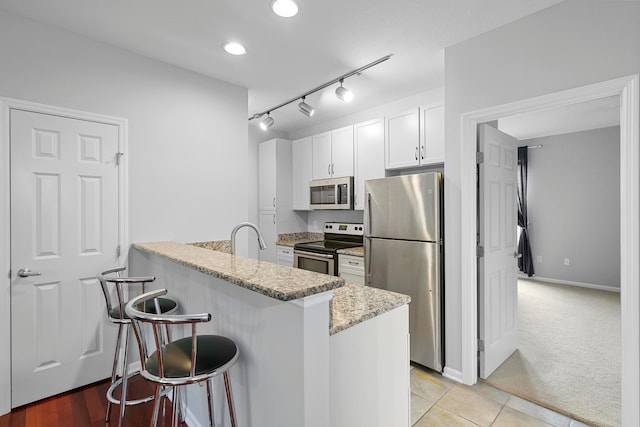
314, 350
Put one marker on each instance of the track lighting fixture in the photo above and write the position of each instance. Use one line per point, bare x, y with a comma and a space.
305, 108
266, 123
343, 93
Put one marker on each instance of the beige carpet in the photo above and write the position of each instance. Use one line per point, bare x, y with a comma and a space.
568, 358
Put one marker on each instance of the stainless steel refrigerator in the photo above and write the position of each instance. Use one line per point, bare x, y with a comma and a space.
404, 253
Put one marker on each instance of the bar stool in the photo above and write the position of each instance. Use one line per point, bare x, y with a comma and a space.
110, 280
192, 359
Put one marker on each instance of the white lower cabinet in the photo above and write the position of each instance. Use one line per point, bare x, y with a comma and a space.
351, 268
285, 255
268, 229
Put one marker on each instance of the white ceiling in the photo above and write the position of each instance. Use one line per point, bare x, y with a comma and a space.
595, 114
289, 56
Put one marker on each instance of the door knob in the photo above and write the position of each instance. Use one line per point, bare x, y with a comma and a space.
25, 272
517, 255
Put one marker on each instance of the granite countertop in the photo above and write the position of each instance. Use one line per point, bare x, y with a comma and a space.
214, 245
353, 304
290, 239
275, 281
357, 251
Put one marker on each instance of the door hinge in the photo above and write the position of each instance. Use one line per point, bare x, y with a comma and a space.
480, 345
480, 251
118, 156
479, 157
118, 251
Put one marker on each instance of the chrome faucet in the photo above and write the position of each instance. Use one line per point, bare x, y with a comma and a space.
263, 246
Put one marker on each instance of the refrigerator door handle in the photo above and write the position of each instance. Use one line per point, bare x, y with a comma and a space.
367, 261
367, 214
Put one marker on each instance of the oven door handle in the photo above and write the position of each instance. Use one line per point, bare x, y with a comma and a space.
313, 255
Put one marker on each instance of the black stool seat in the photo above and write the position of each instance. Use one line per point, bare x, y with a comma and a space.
214, 352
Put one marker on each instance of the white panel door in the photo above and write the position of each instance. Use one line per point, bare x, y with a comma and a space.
498, 292
342, 152
267, 152
402, 140
64, 226
321, 155
369, 156
301, 154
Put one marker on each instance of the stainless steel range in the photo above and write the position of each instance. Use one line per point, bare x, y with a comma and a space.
322, 256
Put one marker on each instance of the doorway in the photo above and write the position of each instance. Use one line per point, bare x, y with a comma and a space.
569, 311
627, 88
44, 143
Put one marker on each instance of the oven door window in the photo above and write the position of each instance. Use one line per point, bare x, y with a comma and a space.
319, 266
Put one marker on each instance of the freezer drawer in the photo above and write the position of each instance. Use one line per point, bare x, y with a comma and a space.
414, 269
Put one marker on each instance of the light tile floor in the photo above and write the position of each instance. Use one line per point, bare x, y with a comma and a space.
437, 401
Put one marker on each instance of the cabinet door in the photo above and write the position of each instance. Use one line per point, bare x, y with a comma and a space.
285, 256
342, 152
321, 145
267, 174
369, 156
432, 135
302, 161
267, 224
402, 140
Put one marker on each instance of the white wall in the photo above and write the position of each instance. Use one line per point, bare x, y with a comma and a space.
574, 206
187, 132
572, 44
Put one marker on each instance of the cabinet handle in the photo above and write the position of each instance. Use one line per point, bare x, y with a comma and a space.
416, 153
274, 218
274, 202
354, 263
329, 169
422, 152
332, 171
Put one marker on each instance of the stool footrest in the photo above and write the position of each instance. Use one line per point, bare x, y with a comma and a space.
118, 382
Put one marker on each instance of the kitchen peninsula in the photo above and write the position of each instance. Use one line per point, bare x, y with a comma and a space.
314, 351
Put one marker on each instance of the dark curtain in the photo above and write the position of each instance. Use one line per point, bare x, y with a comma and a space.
525, 260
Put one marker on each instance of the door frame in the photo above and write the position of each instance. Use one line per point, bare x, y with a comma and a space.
6, 105
628, 90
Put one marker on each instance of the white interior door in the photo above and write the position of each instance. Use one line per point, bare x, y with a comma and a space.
64, 227
497, 279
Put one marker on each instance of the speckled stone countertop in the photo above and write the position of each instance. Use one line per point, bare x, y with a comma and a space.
290, 239
275, 281
353, 304
214, 245
357, 251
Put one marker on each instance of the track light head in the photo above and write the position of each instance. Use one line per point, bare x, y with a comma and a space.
343, 93
305, 108
266, 123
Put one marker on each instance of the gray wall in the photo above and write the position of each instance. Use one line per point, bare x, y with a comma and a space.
187, 132
574, 206
574, 43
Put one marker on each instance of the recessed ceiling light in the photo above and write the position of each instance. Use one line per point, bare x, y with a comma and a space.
285, 8
235, 48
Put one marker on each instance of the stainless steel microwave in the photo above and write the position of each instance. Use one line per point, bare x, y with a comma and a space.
332, 193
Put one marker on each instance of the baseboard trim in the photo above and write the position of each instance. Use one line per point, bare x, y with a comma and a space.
452, 374
570, 283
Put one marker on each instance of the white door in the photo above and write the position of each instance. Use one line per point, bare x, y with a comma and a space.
267, 225
64, 226
342, 152
402, 140
321, 147
369, 156
497, 280
301, 153
267, 152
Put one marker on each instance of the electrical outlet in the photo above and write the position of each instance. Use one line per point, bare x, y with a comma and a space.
566, 261
539, 258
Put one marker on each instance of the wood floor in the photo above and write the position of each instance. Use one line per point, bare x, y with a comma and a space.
86, 406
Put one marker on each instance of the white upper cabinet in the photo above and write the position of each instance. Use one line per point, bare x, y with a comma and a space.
369, 156
302, 155
267, 161
333, 153
432, 135
415, 138
342, 152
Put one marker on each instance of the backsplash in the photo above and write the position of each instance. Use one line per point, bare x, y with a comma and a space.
316, 219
